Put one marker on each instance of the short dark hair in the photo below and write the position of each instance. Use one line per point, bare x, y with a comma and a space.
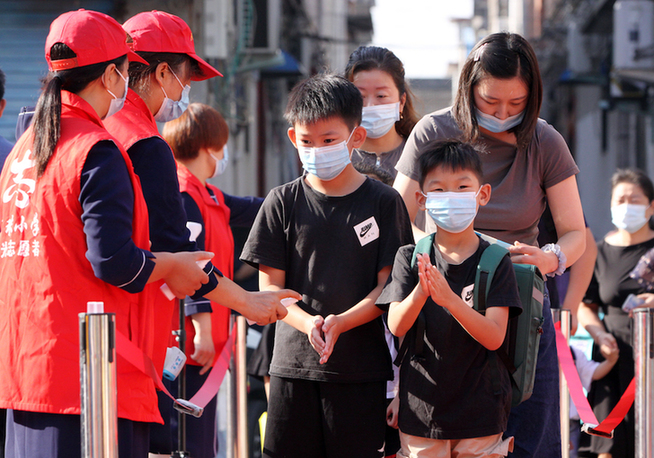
3, 81
366, 58
501, 55
200, 126
451, 154
324, 96
636, 177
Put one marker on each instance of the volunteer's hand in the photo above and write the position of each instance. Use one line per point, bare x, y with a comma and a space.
204, 349
265, 307
186, 277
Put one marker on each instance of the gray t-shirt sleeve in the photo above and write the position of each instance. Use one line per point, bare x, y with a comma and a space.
554, 156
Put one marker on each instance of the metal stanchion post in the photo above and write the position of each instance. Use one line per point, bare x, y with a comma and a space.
241, 389
181, 387
644, 373
99, 413
564, 316
231, 403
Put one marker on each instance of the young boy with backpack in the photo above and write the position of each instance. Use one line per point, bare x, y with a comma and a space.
454, 399
332, 234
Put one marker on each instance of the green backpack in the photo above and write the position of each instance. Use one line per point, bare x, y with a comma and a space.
520, 350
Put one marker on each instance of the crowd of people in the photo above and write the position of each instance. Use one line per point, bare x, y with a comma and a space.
98, 205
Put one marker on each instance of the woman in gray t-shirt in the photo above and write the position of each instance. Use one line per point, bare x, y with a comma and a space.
527, 163
388, 111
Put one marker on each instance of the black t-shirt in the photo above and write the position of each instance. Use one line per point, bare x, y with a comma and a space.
331, 249
611, 284
448, 393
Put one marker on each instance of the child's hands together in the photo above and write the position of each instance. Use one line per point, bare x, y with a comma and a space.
434, 282
315, 333
331, 330
323, 334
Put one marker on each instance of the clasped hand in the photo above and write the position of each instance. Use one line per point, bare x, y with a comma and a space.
433, 283
323, 334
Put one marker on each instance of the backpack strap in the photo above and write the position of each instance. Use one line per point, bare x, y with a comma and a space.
422, 247
490, 260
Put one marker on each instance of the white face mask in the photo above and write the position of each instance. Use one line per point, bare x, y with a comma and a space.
630, 217
171, 109
380, 119
325, 162
221, 164
452, 211
497, 125
117, 103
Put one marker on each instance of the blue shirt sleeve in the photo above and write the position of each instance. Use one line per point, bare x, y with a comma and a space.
154, 163
107, 200
243, 210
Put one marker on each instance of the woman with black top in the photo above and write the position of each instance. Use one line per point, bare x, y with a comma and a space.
617, 255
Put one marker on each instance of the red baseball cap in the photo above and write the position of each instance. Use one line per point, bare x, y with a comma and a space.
157, 31
94, 37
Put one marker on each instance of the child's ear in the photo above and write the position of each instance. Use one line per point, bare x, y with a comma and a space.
421, 199
291, 135
359, 136
484, 194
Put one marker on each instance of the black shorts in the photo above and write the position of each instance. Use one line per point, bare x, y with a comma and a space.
325, 419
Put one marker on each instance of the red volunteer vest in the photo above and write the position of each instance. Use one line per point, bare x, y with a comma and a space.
47, 279
131, 124
219, 240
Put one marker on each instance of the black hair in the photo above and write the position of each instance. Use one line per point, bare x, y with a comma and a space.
139, 73
451, 154
47, 115
366, 58
324, 96
501, 55
3, 81
636, 177
375, 172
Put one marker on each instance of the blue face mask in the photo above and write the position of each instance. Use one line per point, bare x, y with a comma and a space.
325, 162
173, 109
221, 164
496, 125
452, 211
378, 120
117, 102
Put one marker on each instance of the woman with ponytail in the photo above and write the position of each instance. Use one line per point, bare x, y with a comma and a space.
75, 229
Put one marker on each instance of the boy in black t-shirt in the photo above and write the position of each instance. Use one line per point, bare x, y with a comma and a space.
453, 400
333, 235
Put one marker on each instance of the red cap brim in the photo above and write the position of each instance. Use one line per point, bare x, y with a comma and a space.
133, 57
207, 70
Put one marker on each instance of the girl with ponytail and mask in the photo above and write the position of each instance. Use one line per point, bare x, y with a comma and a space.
632, 194
198, 139
388, 111
527, 163
75, 229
